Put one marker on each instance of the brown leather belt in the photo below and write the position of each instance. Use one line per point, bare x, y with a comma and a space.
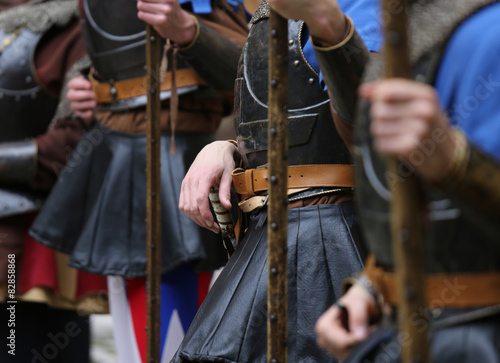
106, 92
248, 182
442, 290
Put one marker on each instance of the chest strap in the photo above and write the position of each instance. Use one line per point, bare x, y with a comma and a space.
461, 290
251, 181
106, 92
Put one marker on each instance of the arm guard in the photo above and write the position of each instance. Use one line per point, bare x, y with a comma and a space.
18, 162
342, 67
213, 57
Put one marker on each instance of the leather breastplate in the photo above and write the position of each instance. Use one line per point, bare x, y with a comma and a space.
453, 237
313, 138
26, 108
114, 38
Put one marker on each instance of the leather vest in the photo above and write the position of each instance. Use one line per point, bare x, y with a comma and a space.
453, 239
114, 38
313, 138
115, 41
27, 108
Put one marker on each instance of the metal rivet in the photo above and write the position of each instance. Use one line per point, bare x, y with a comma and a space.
274, 271
311, 80
290, 42
273, 133
296, 63
274, 83
410, 293
274, 226
274, 179
394, 37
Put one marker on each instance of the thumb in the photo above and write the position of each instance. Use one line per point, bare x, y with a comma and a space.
225, 191
358, 322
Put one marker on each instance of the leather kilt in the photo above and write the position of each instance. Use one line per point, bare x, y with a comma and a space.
231, 325
97, 210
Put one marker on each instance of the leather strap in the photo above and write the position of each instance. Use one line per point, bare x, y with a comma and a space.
442, 290
106, 92
248, 182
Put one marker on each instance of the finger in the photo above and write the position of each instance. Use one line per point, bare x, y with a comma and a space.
400, 90
358, 321
202, 202
225, 190
82, 106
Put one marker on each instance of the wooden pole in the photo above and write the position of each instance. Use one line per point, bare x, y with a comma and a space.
153, 188
407, 213
278, 185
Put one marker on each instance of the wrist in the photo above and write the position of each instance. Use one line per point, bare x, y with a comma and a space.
362, 281
187, 30
329, 30
192, 34
323, 45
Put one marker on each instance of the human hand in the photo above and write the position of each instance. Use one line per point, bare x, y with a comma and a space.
213, 166
324, 18
336, 333
169, 20
81, 98
407, 122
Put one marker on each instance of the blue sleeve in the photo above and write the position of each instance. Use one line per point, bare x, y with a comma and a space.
205, 6
468, 80
365, 15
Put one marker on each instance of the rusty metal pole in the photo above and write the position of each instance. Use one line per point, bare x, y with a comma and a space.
153, 212
407, 213
278, 185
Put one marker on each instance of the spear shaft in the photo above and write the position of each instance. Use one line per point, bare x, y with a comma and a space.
278, 186
153, 187
407, 213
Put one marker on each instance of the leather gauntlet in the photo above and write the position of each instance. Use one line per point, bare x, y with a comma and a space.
213, 57
342, 67
473, 181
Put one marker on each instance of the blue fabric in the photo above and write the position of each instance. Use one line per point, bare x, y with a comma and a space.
468, 80
205, 6
366, 19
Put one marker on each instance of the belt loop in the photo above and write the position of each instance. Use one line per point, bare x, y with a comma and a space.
249, 180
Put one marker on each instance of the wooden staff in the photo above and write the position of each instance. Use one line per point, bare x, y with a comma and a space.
278, 185
153, 188
407, 214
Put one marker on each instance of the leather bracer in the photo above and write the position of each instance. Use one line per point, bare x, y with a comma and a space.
213, 57
342, 67
478, 186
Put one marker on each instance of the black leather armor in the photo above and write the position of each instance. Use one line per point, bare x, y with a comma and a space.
26, 107
26, 112
313, 138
